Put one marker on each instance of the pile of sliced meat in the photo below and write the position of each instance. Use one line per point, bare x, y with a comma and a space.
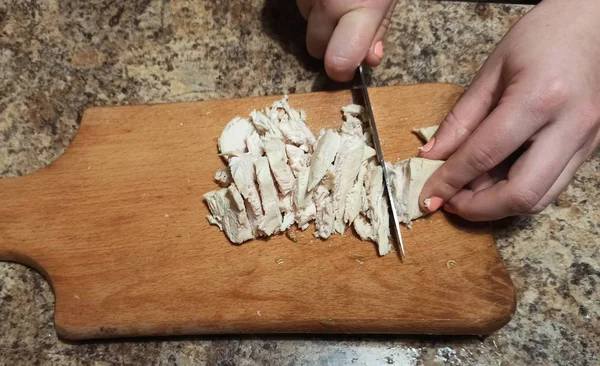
280, 175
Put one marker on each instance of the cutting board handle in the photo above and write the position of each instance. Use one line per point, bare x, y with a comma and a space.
20, 205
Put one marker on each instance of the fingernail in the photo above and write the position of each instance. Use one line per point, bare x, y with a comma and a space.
378, 49
433, 204
448, 208
428, 146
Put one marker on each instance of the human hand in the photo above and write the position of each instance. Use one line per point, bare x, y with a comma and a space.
346, 32
539, 90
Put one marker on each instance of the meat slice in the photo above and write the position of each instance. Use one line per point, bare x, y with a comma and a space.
324, 215
326, 149
255, 145
233, 138
292, 124
346, 167
229, 214
352, 125
378, 212
426, 133
356, 196
271, 222
275, 151
363, 228
408, 178
306, 210
223, 178
353, 110
244, 177
298, 159
265, 126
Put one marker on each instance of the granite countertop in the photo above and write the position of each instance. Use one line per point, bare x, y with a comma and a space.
58, 58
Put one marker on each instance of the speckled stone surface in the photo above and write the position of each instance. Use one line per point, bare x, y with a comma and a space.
58, 58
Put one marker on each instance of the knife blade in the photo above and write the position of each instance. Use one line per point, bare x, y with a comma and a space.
395, 226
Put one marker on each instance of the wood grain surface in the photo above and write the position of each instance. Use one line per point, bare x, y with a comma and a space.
117, 226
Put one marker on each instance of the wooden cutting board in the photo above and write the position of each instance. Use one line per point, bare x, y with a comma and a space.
117, 226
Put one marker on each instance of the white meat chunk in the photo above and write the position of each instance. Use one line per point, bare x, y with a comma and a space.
288, 220
328, 180
244, 177
265, 126
378, 212
306, 215
298, 159
233, 138
272, 219
347, 166
363, 228
286, 202
223, 178
296, 132
326, 149
352, 126
356, 196
353, 110
369, 152
229, 214
301, 189
408, 178
275, 151
306, 210
255, 145
324, 215
292, 124
426, 133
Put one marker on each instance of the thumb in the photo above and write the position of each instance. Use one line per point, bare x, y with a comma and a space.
375, 54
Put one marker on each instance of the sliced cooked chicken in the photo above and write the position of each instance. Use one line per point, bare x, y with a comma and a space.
426, 133
275, 151
228, 213
408, 178
363, 228
326, 149
233, 138
288, 220
265, 126
347, 165
301, 195
356, 196
324, 219
298, 159
296, 132
244, 176
353, 110
280, 175
378, 212
352, 126
305, 215
255, 145
223, 178
272, 219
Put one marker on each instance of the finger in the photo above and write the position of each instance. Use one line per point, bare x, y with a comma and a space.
318, 33
496, 174
472, 108
482, 182
352, 39
375, 54
567, 175
507, 128
529, 180
305, 6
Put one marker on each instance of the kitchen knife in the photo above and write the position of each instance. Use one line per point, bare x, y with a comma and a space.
395, 227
